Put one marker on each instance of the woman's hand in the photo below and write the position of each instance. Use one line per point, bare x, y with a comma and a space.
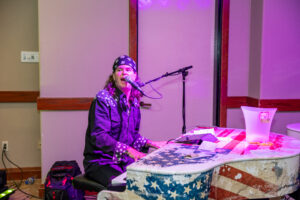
136, 155
156, 144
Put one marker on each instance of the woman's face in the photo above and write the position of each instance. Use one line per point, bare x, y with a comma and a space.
119, 77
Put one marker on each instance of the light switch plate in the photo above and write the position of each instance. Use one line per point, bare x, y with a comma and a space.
30, 56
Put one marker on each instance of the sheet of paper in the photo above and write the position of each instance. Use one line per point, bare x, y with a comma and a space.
119, 180
206, 145
204, 131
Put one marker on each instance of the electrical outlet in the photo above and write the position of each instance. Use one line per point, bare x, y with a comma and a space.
5, 145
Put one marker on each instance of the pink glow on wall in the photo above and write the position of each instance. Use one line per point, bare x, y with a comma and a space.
239, 47
280, 68
179, 4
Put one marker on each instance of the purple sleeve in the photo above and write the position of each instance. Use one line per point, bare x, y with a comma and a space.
102, 128
139, 143
120, 150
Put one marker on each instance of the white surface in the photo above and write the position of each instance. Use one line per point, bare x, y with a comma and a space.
289, 147
197, 135
119, 180
293, 130
294, 127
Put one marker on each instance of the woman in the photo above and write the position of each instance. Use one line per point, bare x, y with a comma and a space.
112, 138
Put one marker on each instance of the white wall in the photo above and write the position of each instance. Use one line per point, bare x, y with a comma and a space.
239, 47
280, 50
79, 41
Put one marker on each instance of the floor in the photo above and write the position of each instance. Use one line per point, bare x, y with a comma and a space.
33, 189
30, 189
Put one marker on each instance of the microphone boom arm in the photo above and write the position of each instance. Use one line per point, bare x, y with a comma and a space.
184, 73
182, 70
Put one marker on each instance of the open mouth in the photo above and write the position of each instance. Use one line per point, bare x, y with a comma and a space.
123, 81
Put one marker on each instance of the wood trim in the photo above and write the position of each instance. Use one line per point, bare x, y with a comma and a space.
224, 62
252, 102
15, 173
238, 101
19, 96
64, 103
281, 104
133, 29
70, 103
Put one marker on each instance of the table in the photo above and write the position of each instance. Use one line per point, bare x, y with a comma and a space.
234, 169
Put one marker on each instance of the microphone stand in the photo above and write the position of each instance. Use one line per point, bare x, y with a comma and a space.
184, 73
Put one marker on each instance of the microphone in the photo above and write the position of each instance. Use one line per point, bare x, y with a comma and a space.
188, 67
134, 84
185, 68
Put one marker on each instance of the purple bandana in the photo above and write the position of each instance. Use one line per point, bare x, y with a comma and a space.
124, 60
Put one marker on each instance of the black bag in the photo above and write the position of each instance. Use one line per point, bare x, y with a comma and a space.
58, 183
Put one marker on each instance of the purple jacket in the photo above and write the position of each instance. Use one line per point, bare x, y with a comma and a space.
112, 127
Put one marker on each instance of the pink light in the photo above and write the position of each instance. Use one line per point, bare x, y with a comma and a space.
178, 4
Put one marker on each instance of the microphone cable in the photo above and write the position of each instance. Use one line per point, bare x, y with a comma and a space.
138, 85
160, 95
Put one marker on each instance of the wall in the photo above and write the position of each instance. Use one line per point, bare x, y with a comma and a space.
78, 44
255, 56
19, 122
280, 56
173, 35
274, 60
280, 50
244, 53
239, 48
19, 32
